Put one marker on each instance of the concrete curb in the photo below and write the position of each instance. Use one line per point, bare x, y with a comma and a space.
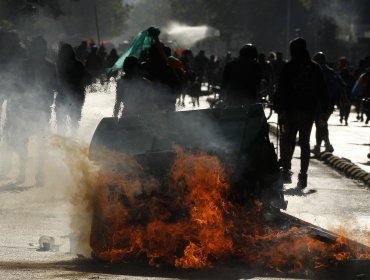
340, 164
346, 167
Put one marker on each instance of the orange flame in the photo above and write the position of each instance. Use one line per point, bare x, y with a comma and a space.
193, 219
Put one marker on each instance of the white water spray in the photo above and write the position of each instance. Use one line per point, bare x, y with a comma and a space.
187, 35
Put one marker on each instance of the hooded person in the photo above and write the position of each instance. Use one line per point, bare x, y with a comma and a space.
336, 91
242, 78
301, 94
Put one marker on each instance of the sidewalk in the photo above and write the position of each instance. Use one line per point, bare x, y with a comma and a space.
330, 200
351, 142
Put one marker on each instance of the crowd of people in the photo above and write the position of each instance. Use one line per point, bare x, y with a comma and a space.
305, 91
30, 86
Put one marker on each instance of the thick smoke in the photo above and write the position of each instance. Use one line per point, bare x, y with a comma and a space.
78, 185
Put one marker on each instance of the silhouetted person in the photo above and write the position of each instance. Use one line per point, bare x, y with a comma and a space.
364, 82
187, 60
200, 67
166, 82
343, 63
266, 72
301, 94
271, 57
82, 52
242, 78
112, 58
73, 79
41, 78
94, 63
40, 84
103, 54
212, 71
134, 91
12, 54
227, 58
336, 90
345, 101
277, 66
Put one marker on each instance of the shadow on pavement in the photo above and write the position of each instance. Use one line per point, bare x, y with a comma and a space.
12, 187
299, 192
85, 266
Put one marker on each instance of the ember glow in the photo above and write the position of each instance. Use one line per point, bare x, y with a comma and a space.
194, 219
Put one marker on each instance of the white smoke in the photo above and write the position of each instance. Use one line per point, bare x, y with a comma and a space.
187, 36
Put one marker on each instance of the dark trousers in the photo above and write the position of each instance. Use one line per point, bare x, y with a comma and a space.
295, 122
322, 130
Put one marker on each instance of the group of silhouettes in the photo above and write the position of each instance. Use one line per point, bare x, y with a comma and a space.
31, 86
304, 90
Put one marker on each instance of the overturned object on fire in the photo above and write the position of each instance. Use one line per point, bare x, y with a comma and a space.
196, 188
237, 136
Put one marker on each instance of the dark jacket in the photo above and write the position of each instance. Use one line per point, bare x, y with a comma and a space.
241, 82
301, 85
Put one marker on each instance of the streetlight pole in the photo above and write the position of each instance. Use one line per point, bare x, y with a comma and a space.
97, 22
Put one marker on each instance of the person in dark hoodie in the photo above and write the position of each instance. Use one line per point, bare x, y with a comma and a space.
300, 95
242, 78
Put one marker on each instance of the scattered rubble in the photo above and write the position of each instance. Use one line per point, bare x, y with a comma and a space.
47, 243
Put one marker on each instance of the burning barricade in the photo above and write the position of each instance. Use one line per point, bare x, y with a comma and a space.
200, 188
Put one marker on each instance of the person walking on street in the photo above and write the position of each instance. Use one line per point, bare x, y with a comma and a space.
40, 82
336, 91
346, 101
364, 83
200, 67
300, 95
73, 79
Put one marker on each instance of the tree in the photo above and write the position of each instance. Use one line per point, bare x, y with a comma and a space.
65, 20
14, 10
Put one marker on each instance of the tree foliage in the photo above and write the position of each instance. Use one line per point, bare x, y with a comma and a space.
71, 18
